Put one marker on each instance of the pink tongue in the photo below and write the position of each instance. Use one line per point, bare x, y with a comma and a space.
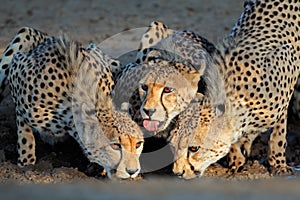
150, 125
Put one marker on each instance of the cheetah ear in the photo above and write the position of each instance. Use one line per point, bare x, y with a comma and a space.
125, 107
220, 109
193, 77
200, 60
153, 55
198, 98
86, 112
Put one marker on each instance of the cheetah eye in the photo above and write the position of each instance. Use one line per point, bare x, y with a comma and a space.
168, 90
116, 146
138, 145
144, 87
194, 149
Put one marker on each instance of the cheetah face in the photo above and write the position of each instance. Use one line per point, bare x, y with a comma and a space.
191, 160
164, 93
198, 141
116, 146
127, 145
120, 155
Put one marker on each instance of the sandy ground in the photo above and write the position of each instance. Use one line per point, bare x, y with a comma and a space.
95, 21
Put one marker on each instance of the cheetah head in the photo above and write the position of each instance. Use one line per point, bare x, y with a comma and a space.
107, 135
199, 139
116, 146
179, 61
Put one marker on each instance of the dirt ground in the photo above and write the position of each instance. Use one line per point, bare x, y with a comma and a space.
95, 21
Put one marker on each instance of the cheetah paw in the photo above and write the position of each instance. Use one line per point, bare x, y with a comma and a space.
285, 170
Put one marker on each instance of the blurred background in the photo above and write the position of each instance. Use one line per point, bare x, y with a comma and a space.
95, 20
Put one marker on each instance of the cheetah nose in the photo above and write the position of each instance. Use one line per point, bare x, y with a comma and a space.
149, 112
180, 173
131, 171
197, 173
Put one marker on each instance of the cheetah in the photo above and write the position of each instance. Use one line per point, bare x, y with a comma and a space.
60, 89
255, 83
164, 78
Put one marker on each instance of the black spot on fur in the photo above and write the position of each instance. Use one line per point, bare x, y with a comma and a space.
9, 52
